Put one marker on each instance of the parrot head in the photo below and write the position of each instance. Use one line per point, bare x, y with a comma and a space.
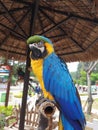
38, 46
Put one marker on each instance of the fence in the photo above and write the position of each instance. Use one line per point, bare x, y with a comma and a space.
93, 125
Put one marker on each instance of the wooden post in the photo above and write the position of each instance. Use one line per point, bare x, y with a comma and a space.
8, 88
90, 99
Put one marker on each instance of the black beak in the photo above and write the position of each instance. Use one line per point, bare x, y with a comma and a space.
35, 53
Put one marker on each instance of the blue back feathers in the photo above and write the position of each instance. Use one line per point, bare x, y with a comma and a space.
59, 83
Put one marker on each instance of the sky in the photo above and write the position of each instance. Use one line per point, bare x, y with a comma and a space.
72, 66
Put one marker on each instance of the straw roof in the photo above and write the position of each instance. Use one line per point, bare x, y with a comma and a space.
72, 25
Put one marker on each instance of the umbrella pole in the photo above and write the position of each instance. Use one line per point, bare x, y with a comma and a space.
25, 92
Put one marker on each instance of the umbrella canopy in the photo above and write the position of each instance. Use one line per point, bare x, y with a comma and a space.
72, 25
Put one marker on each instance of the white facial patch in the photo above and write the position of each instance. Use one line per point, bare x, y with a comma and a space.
39, 46
42, 49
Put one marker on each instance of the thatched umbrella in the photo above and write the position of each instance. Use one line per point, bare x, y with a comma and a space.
71, 25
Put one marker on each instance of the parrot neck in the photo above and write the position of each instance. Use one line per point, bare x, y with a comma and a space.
37, 67
49, 48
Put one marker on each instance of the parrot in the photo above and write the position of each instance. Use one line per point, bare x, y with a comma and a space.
56, 82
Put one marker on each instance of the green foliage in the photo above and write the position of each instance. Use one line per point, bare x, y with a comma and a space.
13, 80
17, 65
83, 77
6, 110
2, 121
73, 74
96, 69
80, 76
94, 78
2, 60
79, 68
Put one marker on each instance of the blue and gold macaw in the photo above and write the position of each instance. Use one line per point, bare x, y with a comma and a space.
56, 82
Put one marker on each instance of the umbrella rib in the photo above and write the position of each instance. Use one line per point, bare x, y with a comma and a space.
13, 19
94, 42
95, 20
41, 23
11, 30
57, 25
12, 52
70, 53
5, 39
22, 2
14, 10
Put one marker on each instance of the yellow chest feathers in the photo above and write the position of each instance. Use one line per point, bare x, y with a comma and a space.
37, 67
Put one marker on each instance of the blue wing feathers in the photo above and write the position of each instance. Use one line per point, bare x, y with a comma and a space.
58, 82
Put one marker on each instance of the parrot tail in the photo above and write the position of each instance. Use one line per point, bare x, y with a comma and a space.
68, 126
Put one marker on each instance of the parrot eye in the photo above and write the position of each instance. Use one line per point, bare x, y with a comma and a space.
40, 43
35, 44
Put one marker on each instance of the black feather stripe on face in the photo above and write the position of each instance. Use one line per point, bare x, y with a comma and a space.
37, 54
